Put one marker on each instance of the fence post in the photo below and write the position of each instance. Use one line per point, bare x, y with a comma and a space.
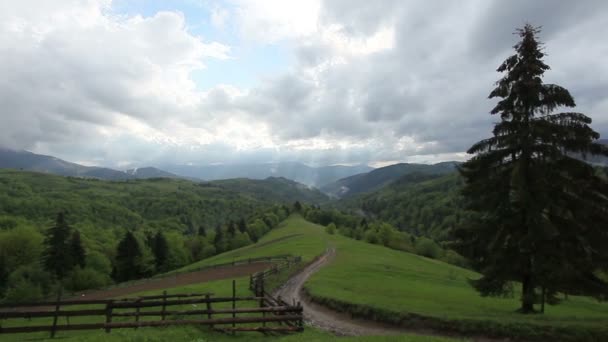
57, 305
233, 303
137, 312
164, 304
208, 299
109, 307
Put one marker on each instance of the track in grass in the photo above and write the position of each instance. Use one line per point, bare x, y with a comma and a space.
225, 272
340, 323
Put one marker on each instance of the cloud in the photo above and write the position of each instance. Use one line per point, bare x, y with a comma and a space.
370, 82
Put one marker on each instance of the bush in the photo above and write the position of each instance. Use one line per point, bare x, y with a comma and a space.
331, 229
454, 258
86, 278
428, 248
23, 291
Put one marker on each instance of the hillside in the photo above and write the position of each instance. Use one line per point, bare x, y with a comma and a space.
376, 179
301, 173
372, 280
28, 161
423, 205
273, 190
175, 203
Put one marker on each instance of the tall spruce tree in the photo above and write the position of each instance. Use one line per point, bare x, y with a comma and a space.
242, 226
128, 259
57, 257
160, 249
540, 214
77, 252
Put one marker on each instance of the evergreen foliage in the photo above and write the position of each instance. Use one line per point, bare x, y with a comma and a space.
544, 221
160, 249
128, 259
77, 252
57, 254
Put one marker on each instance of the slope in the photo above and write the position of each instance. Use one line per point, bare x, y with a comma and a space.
374, 281
380, 177
24, 160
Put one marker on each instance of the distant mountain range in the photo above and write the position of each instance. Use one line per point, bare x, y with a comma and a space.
29, 161
298, 172
376, 179
301, 173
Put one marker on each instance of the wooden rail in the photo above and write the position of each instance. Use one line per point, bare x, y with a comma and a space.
273, 314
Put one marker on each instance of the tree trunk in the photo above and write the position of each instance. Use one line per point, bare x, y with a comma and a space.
527, 295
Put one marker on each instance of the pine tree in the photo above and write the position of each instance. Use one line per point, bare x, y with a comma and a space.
539, 213
160, 249
77, 252
128, 259
297, 207
242, 226
56, 256
202, 231
218, 240
231, 229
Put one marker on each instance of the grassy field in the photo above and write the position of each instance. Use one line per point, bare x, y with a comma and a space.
371, 280
191, 333
378, 281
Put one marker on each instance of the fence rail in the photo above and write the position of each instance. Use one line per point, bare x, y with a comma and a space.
273, 314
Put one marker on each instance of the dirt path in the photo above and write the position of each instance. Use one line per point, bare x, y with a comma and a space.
181, 279
340, 323
219, 273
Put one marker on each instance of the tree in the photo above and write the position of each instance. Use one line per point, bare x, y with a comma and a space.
543, 222
218, 240
231, 229
330, 229
128, 258
57, 254
77, 252
297, 207
160, 249
242, 226
202, 231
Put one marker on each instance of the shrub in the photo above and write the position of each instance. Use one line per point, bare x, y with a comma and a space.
428, 248
331, 228
86, 278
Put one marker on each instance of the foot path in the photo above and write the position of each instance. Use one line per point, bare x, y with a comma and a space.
339, 323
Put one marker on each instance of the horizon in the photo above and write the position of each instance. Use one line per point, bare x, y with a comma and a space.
125, 84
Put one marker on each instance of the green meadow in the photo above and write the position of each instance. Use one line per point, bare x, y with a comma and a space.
377, 282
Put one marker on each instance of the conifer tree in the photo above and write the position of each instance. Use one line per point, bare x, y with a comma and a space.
160, 249
540, 214
218, 240
57, 257
242, 226
128, 259
231, 229
77, 250
202, 231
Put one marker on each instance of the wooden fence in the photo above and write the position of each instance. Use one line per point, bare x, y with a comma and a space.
274, 314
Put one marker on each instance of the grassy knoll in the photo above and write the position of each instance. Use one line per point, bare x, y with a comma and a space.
191, 333
374, 281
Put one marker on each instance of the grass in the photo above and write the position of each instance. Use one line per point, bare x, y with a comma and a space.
373, 281
192, 333
389, 285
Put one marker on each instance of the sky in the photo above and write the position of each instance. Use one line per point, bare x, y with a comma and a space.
130, 83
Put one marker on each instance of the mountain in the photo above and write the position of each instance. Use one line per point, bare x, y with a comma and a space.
376, 179
273, 189
311, 176
150, 172
28, 161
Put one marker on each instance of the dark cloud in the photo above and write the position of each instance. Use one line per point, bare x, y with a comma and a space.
377, 81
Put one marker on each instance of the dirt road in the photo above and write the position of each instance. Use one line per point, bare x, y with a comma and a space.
327, 319
342, 324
